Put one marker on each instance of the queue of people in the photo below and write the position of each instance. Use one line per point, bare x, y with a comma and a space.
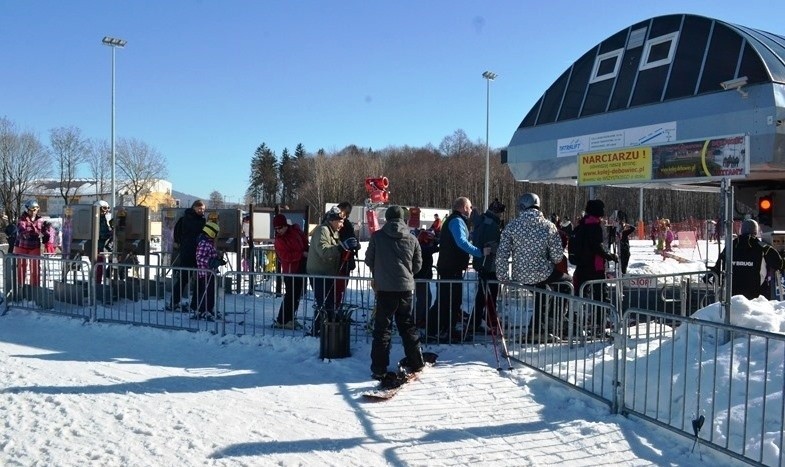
531, 249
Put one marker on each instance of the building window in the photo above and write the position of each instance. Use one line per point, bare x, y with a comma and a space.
606, 66
659, 51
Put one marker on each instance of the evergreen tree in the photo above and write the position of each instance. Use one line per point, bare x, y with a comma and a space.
263, 180
287, 172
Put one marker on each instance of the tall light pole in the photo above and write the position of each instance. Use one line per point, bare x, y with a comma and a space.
113, 43
489, 76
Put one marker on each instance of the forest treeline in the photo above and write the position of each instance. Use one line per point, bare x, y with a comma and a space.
434, 177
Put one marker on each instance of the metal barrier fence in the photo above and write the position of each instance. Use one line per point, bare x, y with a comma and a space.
37, 282
567, 340
588, 344
718, 384
680, 294
660, 366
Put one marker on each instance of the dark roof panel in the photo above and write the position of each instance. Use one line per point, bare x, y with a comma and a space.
663, 58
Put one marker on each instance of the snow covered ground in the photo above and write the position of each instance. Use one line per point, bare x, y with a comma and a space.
75, 394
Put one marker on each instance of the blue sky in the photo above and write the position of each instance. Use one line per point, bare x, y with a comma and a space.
206, 82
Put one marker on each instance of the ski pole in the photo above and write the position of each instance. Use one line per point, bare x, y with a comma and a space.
505, 353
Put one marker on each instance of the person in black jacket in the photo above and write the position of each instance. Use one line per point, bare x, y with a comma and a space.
186, 234
753, 260
625, 230
429, 244
487, 232
394, 256
592, 254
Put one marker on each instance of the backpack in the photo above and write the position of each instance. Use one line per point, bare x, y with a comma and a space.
486, 233
575, 246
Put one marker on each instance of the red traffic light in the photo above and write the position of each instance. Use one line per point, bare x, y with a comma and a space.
764, 203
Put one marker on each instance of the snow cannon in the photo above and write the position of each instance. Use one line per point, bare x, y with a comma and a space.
377, 189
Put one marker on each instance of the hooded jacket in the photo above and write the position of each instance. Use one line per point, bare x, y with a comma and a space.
289, 247
324, 252
394, 257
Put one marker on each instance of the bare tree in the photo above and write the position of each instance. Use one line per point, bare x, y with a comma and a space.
216, 200
69, 150
142, 166
99, 163
23, 161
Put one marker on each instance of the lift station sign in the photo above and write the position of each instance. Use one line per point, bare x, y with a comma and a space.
689, 161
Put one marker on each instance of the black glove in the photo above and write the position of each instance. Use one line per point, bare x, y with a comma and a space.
221, 262
613, 257
350, 244
708, 279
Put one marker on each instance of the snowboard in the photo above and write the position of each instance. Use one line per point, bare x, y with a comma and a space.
393, 381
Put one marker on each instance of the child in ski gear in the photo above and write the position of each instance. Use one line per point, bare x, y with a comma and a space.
28, 242
455, 252
394, 256
49, 237
324, 259
186, 235
753, 259
208, 259
534, 244
486, 233
668, 235
291, 248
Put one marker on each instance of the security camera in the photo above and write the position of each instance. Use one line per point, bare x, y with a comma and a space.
734, 83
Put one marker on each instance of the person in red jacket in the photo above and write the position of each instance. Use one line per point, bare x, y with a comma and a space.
291, 247
437, 225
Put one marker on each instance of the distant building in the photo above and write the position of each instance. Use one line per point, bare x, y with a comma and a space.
85, 191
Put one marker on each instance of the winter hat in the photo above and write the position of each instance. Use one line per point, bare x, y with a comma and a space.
595, 207
211, 229
393, 212
749, 227
279, 221
496, 206
334, 214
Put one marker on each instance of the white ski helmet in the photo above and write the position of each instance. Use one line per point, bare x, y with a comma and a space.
30, 204
101, 204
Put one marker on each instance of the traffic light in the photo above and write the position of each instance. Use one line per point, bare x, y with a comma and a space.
765, 209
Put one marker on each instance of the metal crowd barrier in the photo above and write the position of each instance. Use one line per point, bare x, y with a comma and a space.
695, 365
680, 294
562, 320
597, 347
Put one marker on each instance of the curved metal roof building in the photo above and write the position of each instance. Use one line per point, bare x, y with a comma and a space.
666, 79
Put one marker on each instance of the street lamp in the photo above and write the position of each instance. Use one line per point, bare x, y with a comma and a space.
489, 76
113, 43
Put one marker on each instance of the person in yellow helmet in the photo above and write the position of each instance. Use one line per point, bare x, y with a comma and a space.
208, 259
